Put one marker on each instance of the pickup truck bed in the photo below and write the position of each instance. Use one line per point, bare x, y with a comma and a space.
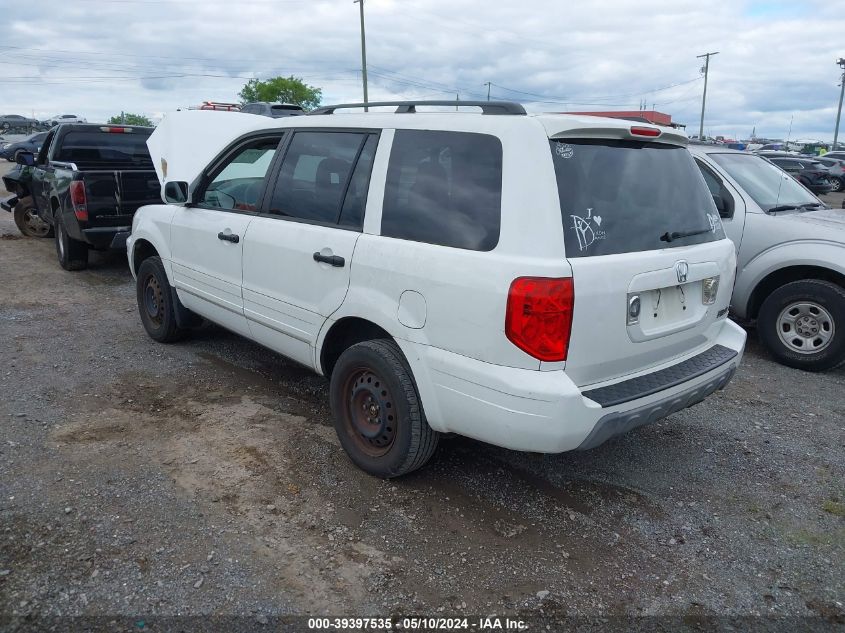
87, 182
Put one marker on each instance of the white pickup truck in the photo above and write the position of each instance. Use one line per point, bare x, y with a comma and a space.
790, 257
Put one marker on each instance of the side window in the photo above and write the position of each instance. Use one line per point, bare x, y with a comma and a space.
238, 183
444, 188
352, 213
315, 175
721, 196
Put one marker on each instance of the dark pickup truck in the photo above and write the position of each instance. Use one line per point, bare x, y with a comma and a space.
86, 183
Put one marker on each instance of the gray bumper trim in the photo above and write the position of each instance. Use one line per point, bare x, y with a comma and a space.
614, 424
663, 379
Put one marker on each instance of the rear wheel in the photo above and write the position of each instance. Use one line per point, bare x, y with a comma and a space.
802, 324
155, 302
835, 184
377, 412
72, 254
28, 222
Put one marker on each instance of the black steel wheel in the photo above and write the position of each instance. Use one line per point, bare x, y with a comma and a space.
155, 302
377, 412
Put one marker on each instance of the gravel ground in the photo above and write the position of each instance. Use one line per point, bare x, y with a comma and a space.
204, 478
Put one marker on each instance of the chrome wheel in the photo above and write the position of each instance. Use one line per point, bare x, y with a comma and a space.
805, 327
836, 184
36, 227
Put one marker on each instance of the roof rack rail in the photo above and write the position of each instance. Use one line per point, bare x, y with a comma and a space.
409, 107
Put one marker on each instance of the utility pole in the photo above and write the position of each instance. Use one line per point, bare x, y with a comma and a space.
841, 62
363, 52
706, 57
487, 83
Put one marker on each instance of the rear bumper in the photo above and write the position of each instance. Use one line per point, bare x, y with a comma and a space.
107, 237
545, 412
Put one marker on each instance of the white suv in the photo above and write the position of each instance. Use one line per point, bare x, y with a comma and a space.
541, 283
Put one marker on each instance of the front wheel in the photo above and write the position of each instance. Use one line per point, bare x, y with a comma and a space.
377, 412
72, 254
802, 324
155, 302
28, 222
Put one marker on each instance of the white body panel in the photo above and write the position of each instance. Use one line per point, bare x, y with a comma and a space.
444, 306
207, 271
287, 295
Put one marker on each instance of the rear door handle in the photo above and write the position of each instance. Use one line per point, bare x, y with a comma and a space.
334, 260
228, 237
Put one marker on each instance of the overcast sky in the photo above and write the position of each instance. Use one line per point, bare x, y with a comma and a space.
95, 58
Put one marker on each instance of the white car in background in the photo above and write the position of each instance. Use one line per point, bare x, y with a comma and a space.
451, 272
64, 118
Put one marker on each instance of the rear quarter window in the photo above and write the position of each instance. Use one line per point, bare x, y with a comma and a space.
444, 188
628, 196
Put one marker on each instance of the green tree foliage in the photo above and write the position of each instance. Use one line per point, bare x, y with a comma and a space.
128, 118
282, 90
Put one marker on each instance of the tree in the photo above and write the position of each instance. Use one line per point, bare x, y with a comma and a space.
282, 90
127, 118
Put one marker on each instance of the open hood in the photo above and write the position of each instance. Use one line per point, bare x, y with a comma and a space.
185, 142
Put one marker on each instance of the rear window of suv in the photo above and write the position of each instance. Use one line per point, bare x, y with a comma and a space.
627, 196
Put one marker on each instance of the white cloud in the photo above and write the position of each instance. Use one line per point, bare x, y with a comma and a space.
97, 57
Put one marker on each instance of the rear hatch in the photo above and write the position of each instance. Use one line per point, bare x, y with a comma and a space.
115, 165
646, 246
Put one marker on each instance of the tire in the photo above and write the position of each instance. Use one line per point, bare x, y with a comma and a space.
72, 254
802, 324
28, 222
835, 185
389, 436
155, 302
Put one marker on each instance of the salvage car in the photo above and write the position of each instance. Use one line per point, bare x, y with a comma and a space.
31, 143
809, 172
17, 123
86, 183
63, 118
451, 272
272, 110
791, 257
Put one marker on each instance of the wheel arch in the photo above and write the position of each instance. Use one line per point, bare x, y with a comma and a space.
344, 333
142, 249
778, 278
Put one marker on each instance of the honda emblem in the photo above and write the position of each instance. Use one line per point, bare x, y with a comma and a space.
682, 270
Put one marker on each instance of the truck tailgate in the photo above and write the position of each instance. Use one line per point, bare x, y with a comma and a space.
114, 196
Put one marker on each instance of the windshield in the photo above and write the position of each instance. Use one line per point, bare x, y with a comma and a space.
624, 196
767, 184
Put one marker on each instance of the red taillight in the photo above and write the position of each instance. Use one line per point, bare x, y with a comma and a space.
116, 130
78, 200
538, 319
645, 131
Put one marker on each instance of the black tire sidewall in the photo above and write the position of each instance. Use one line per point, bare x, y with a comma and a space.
826, 294
407, 413
166, 331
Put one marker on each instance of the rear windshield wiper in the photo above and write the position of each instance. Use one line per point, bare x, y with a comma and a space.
676, 235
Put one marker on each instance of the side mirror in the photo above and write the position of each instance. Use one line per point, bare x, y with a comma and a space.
177, 192
27, 159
